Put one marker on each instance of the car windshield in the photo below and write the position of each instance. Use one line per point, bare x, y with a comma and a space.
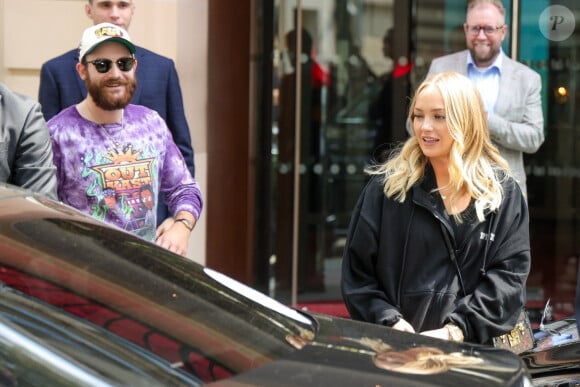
197, 319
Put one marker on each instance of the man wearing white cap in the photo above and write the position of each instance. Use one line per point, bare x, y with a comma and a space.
159, 89
113, 158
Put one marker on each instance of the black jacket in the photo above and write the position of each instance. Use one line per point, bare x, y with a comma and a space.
397, 264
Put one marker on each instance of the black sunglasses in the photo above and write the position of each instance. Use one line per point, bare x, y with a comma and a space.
104, 65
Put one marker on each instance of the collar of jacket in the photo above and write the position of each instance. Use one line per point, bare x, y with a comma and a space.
425, 195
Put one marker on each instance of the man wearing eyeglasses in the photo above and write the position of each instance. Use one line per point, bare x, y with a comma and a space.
159, 89
511, 91
113, 158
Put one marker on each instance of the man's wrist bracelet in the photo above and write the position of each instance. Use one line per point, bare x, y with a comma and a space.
186, 222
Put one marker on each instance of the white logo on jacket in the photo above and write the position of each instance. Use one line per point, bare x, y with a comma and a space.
484, 236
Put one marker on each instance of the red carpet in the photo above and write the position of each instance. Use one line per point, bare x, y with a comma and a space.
333, 308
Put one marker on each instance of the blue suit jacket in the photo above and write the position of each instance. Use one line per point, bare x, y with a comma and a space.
157, 88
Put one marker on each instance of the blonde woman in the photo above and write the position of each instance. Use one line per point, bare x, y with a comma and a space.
439, 239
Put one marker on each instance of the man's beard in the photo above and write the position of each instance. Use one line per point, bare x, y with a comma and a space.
485, 57
107, 102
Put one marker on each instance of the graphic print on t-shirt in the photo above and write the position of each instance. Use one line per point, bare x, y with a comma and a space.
125, 190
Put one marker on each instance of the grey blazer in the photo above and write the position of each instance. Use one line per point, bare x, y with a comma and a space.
517, 125
25, 147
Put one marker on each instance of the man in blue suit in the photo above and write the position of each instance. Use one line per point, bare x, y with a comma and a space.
157, 82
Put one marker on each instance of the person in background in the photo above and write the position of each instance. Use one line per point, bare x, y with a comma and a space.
113, 158
511, 91
25, 151
438, 242
61, 86
312, 81
380, 109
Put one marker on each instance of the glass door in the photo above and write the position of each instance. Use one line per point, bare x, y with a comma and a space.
338, 70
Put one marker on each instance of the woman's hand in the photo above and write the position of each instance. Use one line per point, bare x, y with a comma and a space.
403, 326
449, 332
441, 333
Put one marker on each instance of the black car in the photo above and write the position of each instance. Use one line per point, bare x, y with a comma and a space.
83, 303
555, 359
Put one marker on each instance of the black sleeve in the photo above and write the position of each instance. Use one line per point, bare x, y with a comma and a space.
361, 290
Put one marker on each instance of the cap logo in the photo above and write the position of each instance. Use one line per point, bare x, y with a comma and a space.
95, 35
108, 32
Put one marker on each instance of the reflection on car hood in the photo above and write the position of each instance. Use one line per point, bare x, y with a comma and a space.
346, 353
71, 352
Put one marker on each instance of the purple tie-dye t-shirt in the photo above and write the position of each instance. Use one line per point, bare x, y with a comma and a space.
114, 172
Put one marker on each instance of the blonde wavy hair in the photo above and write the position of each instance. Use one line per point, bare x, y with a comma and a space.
475, 164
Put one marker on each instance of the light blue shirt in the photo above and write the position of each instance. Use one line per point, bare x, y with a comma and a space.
486, 79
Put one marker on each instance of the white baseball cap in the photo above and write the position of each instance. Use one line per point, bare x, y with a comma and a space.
100, 33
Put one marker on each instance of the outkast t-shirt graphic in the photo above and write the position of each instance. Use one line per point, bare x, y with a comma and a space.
124, 186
